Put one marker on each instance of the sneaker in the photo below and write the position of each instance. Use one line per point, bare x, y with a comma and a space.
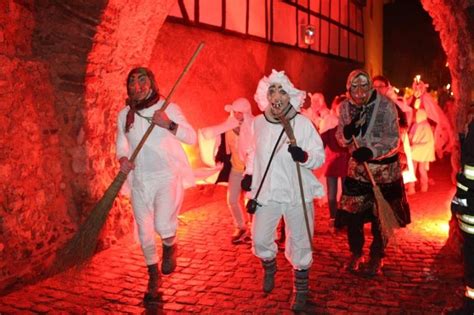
373, 267
354, 263
239, 236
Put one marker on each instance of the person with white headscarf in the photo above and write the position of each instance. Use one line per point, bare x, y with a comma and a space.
278, 193
372, 120
233, 143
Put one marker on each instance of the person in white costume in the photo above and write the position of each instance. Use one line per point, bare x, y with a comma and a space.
233, 140
317, 111
279, 195
423, 149
159, 174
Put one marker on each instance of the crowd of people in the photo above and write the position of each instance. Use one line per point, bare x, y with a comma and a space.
369, 141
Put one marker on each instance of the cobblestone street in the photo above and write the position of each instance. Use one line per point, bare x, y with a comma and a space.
216, 277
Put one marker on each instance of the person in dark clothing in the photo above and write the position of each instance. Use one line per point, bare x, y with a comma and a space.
462, 206
371, 119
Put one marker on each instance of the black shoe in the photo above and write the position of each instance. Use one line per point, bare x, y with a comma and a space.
168, 262
269, 268
151, 294
301, 290
353, 265
373, 267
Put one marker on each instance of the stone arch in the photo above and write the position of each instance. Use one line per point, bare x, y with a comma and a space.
451, 22
124, 39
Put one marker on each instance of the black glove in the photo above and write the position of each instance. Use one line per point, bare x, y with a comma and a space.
351, 129
362, 154
297, 154
246, 182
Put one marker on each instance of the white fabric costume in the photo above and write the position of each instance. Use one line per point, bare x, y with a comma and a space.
280, 195
236, 145
422, 139
443, 134
323, 119
161, 173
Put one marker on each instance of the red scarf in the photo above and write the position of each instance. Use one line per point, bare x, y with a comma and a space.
134, 107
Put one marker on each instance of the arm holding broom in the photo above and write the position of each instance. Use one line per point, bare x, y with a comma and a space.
161, 172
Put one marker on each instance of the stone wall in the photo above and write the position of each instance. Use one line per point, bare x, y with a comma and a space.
61, 85
34, 191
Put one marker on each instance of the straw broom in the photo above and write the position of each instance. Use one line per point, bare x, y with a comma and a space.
83, 244
289, 132
383, 211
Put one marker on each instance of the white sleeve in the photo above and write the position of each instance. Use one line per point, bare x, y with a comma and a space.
313, 145
250, 152
185, 132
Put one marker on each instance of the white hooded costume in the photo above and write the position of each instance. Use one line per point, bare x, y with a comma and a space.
280, 194
161, 173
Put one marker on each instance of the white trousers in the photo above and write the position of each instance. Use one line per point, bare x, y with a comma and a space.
234, 193
156, 203
297, 246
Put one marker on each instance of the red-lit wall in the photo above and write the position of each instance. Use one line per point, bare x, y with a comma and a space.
230, 67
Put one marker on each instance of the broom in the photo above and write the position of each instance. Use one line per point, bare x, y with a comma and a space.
289, 132
383, 211
83, 244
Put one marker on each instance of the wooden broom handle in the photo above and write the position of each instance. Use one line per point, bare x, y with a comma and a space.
167, 100
291, 136
366, 166
288, 129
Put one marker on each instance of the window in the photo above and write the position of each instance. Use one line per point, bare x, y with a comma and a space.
337, 24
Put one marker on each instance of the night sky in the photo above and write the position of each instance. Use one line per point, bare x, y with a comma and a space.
412, 46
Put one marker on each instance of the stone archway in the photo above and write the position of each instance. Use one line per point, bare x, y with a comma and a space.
450, 21
124, 39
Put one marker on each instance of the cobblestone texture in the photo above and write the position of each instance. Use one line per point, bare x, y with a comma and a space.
215, 277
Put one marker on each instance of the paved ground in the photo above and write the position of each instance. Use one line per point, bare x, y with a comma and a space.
215, 277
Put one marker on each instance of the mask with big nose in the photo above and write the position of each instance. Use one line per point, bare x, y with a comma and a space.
278, 98
360, 90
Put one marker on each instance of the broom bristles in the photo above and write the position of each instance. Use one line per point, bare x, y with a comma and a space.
388, 220
82, 246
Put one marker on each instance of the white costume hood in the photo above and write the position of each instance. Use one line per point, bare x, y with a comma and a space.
296, 96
